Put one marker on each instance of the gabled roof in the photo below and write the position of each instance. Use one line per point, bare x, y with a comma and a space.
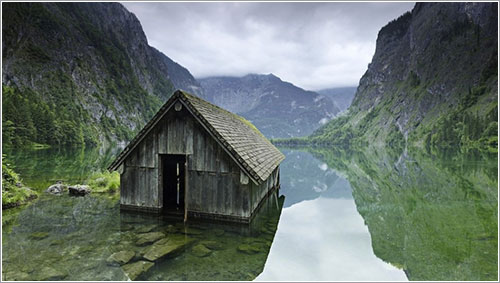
255, 155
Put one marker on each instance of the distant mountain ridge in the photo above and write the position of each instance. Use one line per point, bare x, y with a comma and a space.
278, 108
341, 96
80, 73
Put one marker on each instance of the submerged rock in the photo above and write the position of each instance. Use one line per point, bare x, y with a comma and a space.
213, 245
145, 229
38, 235
249, 249
79, 190
190, 231
218, 232
49, 274
166, 247
171, 229
201, 251
56, 189
148, 238
16, 275
134, 270
120, 258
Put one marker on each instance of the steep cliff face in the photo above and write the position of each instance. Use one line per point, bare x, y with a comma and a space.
433, 68
77, 73
279, 109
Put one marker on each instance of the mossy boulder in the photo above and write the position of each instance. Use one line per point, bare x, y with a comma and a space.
148, 238
145, 229
56, 189
170, 246
50, 274
213, 245
38, 235
136, 269
250, 249
201, 251
120, 258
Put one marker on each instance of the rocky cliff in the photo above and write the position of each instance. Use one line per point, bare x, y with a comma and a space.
433, 80
80, 73
277, 108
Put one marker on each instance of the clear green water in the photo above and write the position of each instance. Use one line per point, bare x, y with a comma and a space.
374, 215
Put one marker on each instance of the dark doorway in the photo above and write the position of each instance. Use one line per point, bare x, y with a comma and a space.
174, 177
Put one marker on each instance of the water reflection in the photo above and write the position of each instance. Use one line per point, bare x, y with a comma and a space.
432, 214
40, 168
329, 238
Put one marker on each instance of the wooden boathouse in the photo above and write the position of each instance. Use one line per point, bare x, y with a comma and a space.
197, 160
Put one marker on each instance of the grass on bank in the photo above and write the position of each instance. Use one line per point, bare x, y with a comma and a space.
104, 182
14, 193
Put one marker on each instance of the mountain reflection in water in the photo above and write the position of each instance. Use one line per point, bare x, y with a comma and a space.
321, 236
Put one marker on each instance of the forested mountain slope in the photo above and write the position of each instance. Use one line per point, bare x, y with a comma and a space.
80, 73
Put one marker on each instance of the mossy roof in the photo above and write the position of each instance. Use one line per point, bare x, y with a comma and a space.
242, 140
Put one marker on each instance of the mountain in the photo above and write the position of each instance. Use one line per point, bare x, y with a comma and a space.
80, 73
341, 96
279, 109
432, 81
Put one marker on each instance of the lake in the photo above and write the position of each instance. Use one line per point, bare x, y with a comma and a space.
372, 215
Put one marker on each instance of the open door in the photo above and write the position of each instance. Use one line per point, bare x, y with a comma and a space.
174, 183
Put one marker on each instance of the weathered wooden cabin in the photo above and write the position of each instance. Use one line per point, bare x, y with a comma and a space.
197, 160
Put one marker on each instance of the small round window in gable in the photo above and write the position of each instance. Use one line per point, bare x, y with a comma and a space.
178, 106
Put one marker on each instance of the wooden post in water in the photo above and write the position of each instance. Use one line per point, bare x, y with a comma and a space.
185, 189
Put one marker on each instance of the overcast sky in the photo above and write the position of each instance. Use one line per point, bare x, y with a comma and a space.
312, 45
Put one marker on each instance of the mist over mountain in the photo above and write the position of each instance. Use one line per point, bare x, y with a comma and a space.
278, 108
341, 96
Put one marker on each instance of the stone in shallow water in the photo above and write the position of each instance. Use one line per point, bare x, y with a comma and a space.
120, 258
134, 270
218, 232
171, 229
213, 245
147, 238
79, 190
39, 235
166, 247
16, 276
49, 274
56, 189
145, 229
249, 249
188, 230
201, 251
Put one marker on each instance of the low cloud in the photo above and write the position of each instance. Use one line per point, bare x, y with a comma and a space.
312, 45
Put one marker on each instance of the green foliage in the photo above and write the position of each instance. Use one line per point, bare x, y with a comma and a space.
466, 127
14, 193
104, 182
29, 119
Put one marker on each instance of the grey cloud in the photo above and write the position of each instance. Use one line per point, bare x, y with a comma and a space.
313, 45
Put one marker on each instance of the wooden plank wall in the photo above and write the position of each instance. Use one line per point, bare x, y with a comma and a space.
258, 192
214, 179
